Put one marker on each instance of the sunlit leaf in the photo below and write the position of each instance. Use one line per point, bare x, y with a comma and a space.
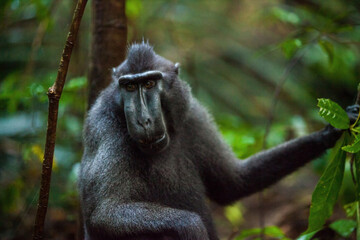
344, 227
39, 153
327, 189
233, 214
333, 113
133, 8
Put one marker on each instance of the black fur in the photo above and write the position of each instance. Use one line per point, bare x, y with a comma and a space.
127, 194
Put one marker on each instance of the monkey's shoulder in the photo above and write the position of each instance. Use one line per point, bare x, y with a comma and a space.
199, 115
200, 126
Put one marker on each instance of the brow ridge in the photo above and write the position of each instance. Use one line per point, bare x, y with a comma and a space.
140, 77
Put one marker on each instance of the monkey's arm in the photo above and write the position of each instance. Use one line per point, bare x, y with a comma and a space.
265, 168
111, 220
227, 178
240, 178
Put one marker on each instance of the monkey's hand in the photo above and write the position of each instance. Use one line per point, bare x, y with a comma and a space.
353, 112
112, 221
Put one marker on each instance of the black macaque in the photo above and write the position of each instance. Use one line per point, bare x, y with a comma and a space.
153, 155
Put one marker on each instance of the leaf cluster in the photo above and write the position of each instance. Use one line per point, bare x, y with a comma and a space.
327, 190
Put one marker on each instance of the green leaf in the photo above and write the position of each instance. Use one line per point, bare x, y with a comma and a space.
357, 174
350, 209
357, 220
290, 46
344, 227
327, 189
307, 236
333, 113
352, 148
285, 16
233, 214
328, 48
133, 8
356, 128
271, 231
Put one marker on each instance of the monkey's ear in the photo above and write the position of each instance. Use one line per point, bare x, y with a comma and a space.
177, 68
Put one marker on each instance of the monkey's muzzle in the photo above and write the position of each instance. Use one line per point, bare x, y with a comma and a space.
155, 145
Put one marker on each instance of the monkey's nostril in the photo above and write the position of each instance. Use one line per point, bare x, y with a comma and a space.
144, 123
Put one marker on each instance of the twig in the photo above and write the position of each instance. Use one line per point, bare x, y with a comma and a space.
358, 96
352, 168
54, 94
353, 155
233, 234
277, 92
342, 41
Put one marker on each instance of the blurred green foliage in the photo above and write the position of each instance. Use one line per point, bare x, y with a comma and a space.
344, 227
271, 231
233, 54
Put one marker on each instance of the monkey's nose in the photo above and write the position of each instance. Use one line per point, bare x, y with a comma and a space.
145, 123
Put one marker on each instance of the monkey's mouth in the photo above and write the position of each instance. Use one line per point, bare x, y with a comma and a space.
155, 145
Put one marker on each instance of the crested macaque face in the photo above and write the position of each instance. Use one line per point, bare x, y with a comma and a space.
141, 100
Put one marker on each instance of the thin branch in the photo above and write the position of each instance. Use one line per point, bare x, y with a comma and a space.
358, 96
352, 168
275, 100
278, 89
277, 92
54, 94
357, 101
342, 41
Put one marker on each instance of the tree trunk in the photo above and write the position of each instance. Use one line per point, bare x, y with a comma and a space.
109, 32
108, 49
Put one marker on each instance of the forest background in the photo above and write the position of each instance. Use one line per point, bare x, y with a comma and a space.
234, 54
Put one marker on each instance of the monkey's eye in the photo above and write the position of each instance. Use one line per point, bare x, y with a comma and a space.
130, 87
149, 84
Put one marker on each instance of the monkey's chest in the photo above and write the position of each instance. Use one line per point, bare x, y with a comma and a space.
175, 184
